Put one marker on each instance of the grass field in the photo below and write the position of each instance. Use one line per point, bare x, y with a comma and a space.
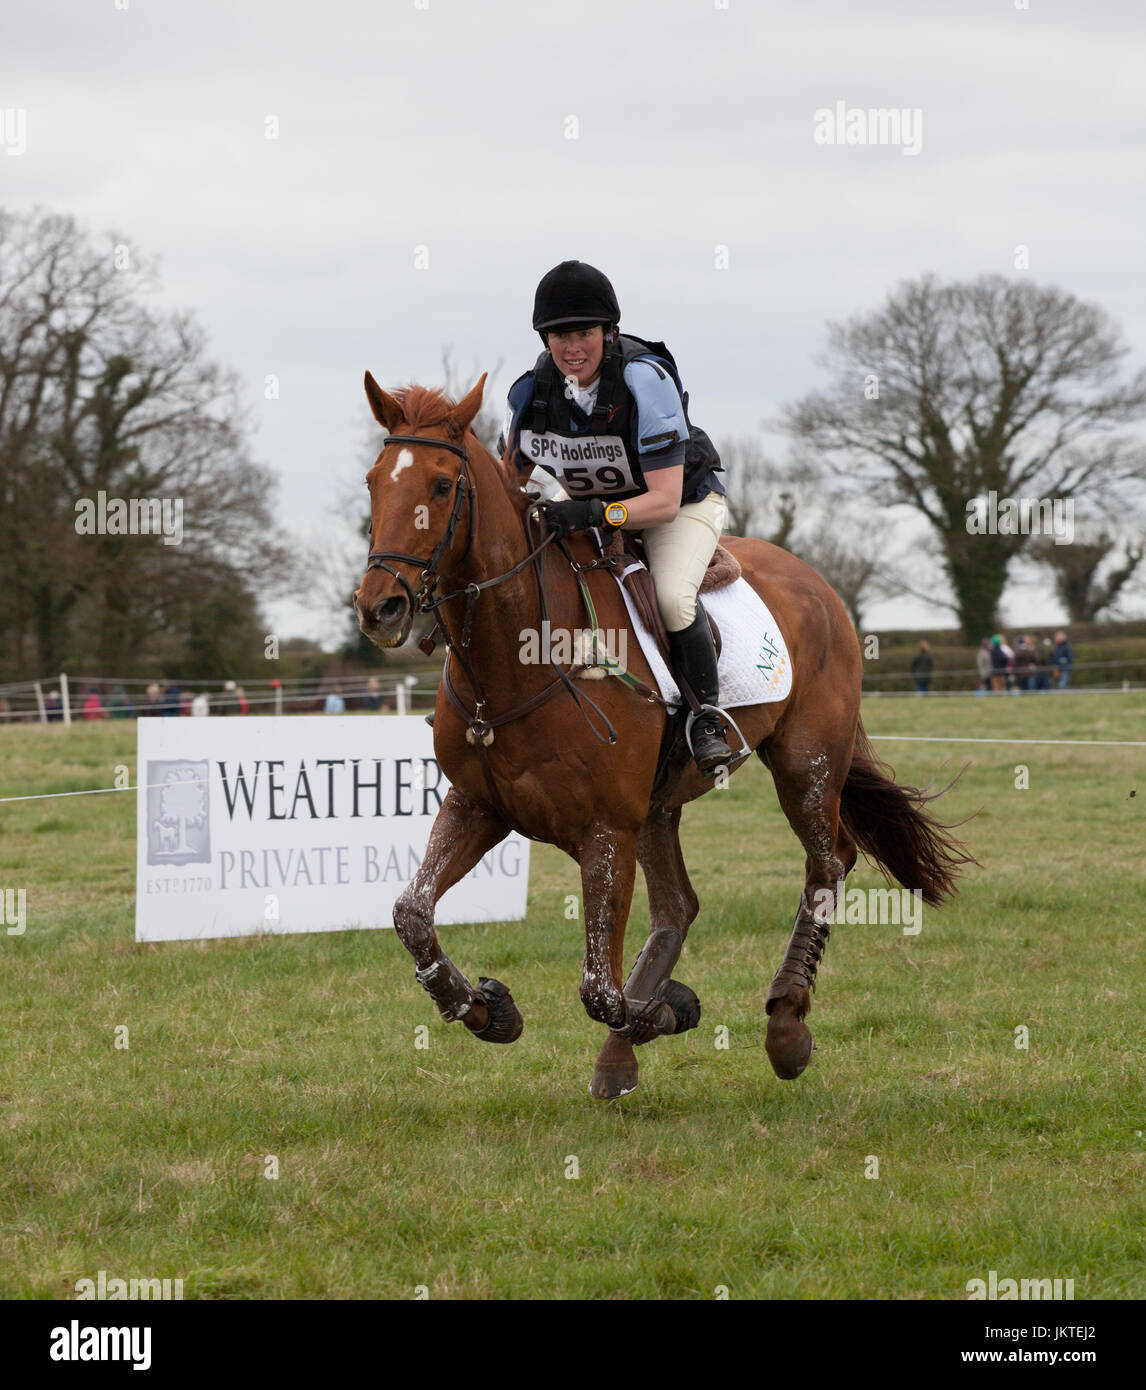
447, 1168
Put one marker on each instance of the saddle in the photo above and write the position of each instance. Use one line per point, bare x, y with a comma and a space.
630, 563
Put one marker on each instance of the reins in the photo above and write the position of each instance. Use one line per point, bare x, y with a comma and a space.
479, 732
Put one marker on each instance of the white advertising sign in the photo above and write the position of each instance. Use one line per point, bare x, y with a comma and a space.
299, 824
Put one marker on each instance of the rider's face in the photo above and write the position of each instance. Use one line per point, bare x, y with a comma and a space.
578, 354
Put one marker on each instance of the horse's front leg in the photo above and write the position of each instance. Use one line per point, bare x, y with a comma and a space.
672, 909
608, 859
463, 831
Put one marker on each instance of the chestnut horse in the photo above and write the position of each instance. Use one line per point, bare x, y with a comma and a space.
523, 747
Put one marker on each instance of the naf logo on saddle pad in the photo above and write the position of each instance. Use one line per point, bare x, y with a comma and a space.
755, 667
307, 823
772, 661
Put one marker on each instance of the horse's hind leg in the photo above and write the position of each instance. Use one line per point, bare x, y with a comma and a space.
808, 784
672, 910
463, 831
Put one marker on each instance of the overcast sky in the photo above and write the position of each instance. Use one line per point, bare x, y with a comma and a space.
444, 124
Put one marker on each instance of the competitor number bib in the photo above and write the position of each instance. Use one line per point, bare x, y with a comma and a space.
588, 466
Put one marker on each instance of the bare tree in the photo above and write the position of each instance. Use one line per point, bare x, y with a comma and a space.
1076, 568
488, 421
182, 803
847, 569
102, 395
848, 546
949, 393
760, 496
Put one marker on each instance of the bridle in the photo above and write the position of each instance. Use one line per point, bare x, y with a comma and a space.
424, 601
480, 730
463, 489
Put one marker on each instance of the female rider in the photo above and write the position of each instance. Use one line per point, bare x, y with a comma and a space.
601, 415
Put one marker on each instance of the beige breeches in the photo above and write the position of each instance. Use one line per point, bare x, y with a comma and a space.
679, 552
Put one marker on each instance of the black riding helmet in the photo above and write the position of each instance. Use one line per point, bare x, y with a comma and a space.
574, 294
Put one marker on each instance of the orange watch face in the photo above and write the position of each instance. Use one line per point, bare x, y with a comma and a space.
616, 514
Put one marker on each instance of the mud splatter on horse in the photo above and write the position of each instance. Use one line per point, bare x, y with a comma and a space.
525, 747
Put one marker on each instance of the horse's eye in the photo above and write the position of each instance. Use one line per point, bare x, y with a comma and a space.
443, 487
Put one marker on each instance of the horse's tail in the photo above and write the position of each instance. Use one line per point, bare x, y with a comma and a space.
889, 824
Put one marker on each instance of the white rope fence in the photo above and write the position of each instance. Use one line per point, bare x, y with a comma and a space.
122, 699
885, 738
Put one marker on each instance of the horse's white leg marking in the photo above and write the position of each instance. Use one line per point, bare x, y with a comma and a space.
405, 459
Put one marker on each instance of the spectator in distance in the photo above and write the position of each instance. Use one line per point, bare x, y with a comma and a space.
1043, 675
121, 707
922, 666
1026, 663
201, 705
335, 704
154, 704
998, 665
93, 705
1063, 660
1009, 653
983, 664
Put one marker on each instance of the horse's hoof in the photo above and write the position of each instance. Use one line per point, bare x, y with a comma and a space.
683, 1002
613, 1081
790, 1060
789, 1049
505, 1021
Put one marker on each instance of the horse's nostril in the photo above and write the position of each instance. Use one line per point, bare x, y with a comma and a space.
389, 611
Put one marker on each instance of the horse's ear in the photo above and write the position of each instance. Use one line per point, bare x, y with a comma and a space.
467, 408
386, 409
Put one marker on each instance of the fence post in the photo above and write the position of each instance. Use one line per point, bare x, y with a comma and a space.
65, 700
401, 696
40, 704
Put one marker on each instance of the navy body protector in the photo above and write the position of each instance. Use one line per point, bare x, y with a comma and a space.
613, 414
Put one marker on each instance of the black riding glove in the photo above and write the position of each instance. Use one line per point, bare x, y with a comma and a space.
578, 514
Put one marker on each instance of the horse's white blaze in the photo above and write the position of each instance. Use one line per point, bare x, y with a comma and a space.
405, 459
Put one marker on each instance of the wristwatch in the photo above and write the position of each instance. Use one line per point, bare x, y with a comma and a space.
616, 514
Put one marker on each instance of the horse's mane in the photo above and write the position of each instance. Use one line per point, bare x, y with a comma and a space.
428, 406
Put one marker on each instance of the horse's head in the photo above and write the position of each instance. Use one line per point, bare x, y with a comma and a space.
421, 504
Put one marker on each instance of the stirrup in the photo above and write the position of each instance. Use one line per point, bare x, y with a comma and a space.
710, 711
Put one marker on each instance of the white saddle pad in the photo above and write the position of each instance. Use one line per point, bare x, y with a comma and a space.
755, 667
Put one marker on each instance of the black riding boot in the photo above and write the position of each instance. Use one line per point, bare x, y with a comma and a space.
694, 658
